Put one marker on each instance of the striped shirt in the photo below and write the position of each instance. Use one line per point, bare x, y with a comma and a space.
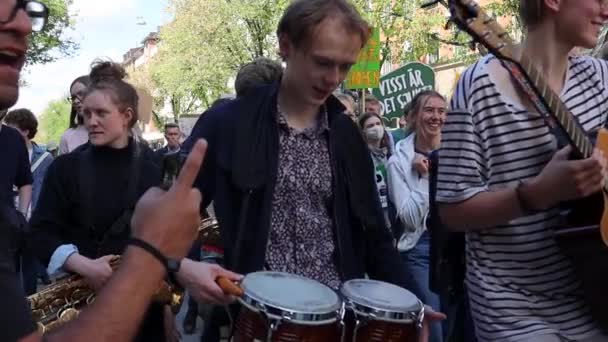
520, 284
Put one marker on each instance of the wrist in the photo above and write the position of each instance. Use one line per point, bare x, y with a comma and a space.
137, 258
76, 263
530, 196
183, 273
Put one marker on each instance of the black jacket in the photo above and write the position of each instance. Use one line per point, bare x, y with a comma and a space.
239, 175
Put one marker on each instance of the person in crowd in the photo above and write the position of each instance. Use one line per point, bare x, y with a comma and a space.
373, 105
172, 135
166, 222
284, 203
404, 130
503, 173
76, 135
15, 189
408, 181
349, 103
82, 221
257, 73
380, 148
25, 122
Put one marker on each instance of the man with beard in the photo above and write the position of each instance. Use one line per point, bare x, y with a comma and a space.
164, 223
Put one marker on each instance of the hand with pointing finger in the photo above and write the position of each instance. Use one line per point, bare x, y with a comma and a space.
169, 220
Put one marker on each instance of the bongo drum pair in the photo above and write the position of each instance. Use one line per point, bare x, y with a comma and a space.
281, 307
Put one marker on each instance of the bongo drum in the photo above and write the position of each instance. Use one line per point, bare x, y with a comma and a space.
281, 307
378, 311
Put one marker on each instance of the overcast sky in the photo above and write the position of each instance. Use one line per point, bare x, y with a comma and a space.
104, 28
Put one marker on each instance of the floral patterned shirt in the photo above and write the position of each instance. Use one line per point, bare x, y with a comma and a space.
301, 237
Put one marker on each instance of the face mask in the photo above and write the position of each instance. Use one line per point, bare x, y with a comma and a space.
374, 133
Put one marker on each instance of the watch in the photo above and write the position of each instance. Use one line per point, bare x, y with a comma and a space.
171, 265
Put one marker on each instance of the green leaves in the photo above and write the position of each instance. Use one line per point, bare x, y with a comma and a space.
53, 121
52, 43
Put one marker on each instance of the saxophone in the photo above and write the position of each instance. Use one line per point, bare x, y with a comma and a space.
62, 301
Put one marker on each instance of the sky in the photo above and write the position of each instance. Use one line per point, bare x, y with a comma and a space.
104, 29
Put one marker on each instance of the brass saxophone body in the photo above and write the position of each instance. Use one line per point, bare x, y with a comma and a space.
62, 301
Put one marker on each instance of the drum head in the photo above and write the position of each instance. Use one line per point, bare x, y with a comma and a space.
290, 293
380, 296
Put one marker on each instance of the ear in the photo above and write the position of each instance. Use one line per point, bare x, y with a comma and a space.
285, 46
129, 114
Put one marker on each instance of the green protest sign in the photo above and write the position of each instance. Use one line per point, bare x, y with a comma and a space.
366, 72
398, 88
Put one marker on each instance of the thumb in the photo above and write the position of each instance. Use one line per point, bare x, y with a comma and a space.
563, 154
107, 258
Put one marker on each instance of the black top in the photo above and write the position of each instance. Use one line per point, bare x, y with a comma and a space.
15, 163
15, 319
60, 215
64, 217
240, 172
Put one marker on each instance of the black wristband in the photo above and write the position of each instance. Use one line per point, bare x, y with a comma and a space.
171, 265
525, 206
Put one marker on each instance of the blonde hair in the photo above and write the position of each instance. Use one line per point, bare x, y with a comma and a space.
417, 104
531, 12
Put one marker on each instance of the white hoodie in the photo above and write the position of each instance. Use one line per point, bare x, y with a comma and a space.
409, 192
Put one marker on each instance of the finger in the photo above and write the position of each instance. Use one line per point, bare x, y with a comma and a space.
229, 274
434, 315
217, 295
191, 167
108, 258
424, 334
563, 154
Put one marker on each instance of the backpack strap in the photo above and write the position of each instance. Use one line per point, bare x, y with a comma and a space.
39, 161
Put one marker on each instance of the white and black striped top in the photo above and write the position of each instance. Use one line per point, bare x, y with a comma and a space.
520, 284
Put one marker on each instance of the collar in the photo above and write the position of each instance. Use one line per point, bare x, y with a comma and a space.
321, 125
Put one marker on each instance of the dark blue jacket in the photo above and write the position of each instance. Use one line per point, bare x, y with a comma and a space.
239, 175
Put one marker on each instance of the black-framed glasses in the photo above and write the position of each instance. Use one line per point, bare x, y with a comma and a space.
35, 10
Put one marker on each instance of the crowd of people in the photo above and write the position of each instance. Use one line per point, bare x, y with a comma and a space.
305, 179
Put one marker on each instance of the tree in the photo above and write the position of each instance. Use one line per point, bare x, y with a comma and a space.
53, 121
52, 42
197, 58
405, 28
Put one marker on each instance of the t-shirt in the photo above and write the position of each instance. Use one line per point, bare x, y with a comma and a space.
15, 319
72, 138
520, 283
15, 164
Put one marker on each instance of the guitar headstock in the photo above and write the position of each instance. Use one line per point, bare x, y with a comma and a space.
471, 18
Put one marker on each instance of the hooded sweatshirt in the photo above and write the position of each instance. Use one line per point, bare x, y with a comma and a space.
409, 193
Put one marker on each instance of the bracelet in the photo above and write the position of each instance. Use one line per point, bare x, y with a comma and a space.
525, 206
171, 265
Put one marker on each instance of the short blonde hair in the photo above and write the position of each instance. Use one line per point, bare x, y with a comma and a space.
531, 12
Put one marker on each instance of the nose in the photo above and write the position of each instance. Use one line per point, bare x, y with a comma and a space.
332, 77
22, 24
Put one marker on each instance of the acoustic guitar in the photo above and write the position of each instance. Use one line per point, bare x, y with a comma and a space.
585, 238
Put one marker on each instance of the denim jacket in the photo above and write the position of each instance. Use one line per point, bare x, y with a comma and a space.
40, 172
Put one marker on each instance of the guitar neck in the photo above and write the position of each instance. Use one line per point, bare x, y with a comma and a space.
575, 133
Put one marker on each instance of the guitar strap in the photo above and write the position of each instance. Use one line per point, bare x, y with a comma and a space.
522, 82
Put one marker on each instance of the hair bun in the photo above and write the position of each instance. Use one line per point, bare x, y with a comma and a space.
106, 71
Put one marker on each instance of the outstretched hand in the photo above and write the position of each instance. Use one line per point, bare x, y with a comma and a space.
169, 219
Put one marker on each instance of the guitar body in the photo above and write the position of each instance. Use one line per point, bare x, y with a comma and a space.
602, 145
584, 241
584, 238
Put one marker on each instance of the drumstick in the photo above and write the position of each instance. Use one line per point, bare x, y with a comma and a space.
229, 287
